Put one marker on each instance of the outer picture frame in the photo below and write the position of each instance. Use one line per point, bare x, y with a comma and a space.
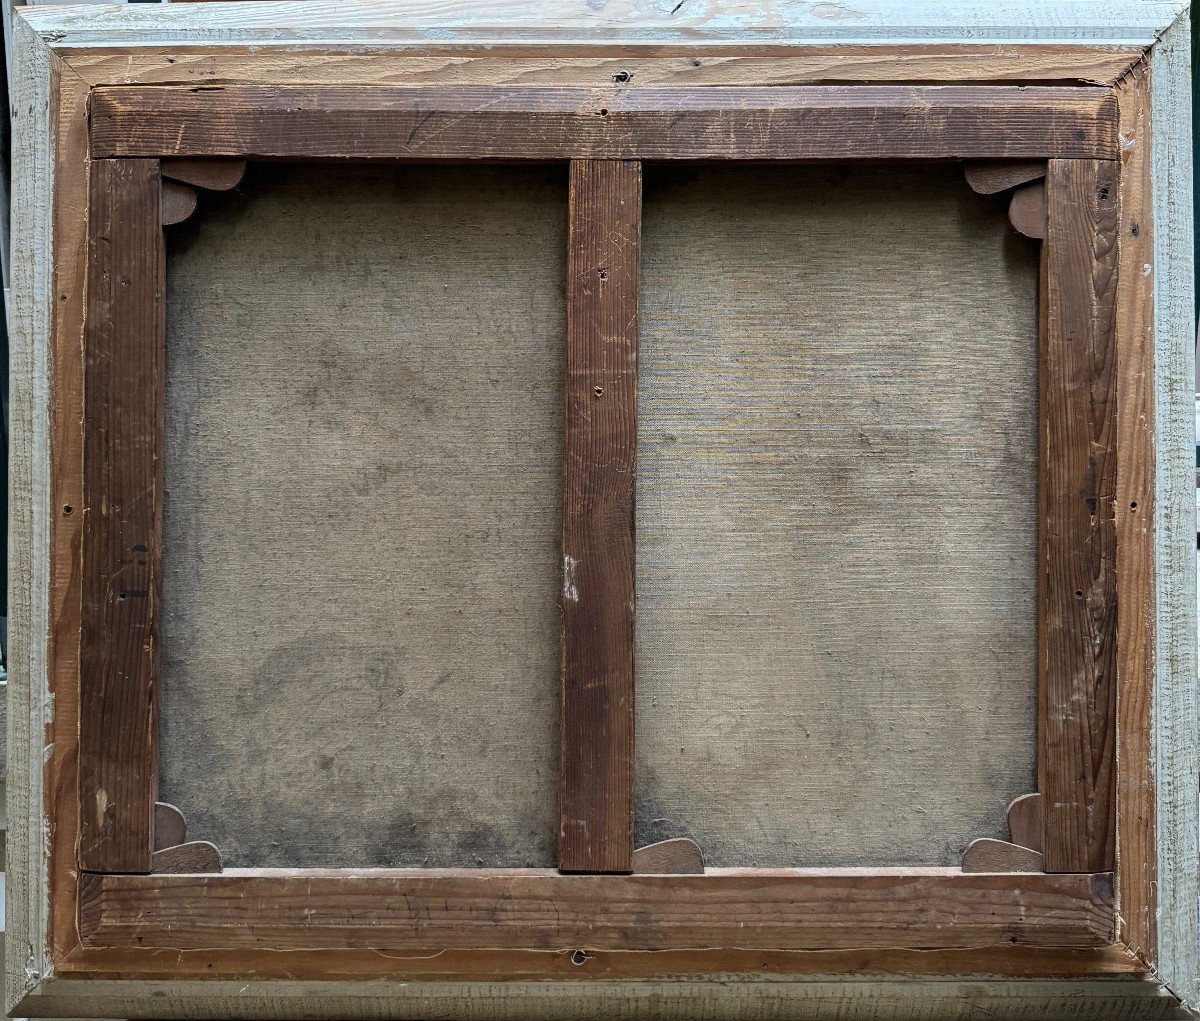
1103, 886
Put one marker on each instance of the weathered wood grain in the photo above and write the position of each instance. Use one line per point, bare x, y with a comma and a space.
38, 770
788, 123
599, 451
64, 349
509, 966
622, 22
595, 64
123, 438
1176, 698
755, 909
1137, 852
1077, 616
856, 999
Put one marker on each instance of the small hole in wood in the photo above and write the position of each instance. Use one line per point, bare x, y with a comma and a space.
604, 274
580, 957
121, 595
1133, 506
598, 391
621, 76
1078, 594
68, 509
603, 113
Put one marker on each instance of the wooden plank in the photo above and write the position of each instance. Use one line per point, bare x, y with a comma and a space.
506, 62
123, 435
37, 773
827, 999
1135, 508
67, 296
599, 448
542, 910
789, 123
1176, 697
440, 964
1077, 616
702, 25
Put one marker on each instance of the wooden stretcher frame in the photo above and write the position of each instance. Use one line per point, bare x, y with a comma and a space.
114, 108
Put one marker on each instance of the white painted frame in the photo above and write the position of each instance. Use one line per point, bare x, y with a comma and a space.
46, 34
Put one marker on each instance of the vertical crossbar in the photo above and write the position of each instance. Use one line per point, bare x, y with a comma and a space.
1077, 583
600, 444
124, 366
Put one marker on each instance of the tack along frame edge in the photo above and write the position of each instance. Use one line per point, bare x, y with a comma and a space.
91, 961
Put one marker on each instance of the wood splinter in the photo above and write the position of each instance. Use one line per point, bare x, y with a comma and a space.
677, 857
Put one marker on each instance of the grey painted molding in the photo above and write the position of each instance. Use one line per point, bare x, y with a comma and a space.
42, 32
